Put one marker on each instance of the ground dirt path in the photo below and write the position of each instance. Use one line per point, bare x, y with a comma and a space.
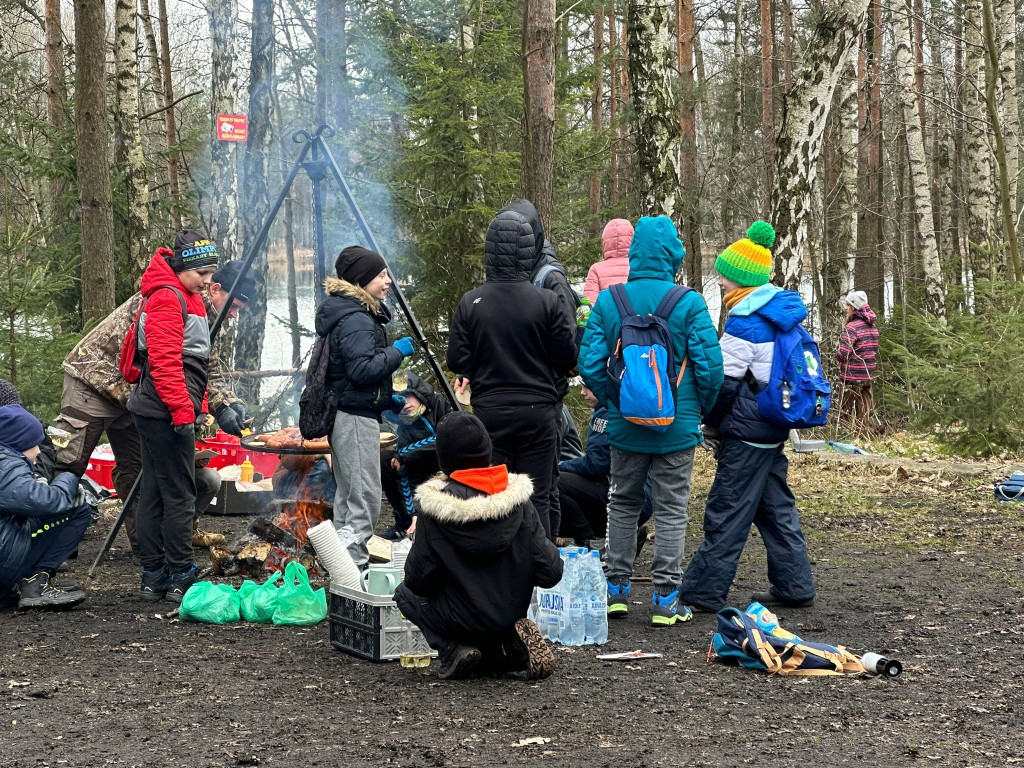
926, 570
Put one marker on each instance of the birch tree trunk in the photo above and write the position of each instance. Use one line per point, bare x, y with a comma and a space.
223, 16
991, 87
170, 128
918, 165
767, 93
129, 134
1006, 34
804, 112
93, 138
845, 244
56, 94
689, 217
980, 184
728, 210
538, 166
658, 133
250, 329
156, 78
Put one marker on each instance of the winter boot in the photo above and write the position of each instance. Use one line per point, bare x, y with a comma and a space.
460, 662
667, 610
770, 599
532, 651
180, 582
154, 584
618, 600
38, 592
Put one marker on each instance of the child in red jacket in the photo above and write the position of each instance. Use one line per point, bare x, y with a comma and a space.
174, 352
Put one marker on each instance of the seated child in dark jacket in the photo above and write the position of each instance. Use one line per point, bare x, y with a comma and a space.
413, 460
479, 551
583, 487
40, 523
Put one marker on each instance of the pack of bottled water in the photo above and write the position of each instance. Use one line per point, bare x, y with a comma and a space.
574, 611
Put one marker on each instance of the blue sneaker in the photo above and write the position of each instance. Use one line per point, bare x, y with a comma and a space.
618, 600
668, 611
154, 584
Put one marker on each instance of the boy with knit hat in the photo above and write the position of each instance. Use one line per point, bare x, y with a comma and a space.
353, 319
170, 397
40, 524
479, 551
750, 486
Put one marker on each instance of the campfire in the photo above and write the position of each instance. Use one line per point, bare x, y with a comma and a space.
278, 537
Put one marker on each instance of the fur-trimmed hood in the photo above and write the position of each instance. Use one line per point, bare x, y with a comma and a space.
472, 522
344, 299
335, 286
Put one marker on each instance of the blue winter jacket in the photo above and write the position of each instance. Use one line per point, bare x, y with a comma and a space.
654, 258
25, 504
748, 347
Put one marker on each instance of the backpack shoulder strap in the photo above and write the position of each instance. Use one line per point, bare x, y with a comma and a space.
543, 272
673, 297
145, 301
625, 308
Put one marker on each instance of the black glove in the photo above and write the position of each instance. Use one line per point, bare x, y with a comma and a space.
243, 412
230, 420
186, 430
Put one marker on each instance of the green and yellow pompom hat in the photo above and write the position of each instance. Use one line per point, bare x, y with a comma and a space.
748, 261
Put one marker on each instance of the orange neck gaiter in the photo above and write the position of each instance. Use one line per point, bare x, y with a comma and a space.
735, 296
490, 480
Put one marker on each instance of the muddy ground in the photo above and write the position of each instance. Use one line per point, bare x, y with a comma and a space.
926, 569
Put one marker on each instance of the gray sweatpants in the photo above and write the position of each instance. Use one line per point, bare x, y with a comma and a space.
670, 483
355, 453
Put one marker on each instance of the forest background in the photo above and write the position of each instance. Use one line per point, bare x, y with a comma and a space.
880, 137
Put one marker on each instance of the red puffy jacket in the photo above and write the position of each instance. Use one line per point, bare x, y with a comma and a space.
176, 350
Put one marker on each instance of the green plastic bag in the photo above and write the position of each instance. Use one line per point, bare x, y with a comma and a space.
259, 601
209, 602
297, 603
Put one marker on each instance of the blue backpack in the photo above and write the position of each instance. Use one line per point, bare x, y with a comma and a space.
641, 371
740, 640
797, 395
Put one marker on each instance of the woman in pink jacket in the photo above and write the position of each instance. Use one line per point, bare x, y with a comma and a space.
614, 269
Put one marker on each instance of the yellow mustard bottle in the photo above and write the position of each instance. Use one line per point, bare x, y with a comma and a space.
247, 470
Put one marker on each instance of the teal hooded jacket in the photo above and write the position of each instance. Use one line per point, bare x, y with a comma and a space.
654, 259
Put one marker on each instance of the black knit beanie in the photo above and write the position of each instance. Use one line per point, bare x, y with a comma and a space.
462, 443
358, 265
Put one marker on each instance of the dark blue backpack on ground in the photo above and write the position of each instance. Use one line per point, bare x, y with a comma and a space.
740, 640
797, 395
1012, 488
641, 371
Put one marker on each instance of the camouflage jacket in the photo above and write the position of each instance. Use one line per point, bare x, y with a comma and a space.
94, 358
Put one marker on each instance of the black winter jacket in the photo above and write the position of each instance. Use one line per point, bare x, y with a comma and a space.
515, 343
361, 360
424, 428
477, 557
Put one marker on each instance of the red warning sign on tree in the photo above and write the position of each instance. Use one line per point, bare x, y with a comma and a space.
232, 127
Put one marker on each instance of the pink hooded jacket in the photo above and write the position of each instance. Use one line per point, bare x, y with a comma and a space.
614, 269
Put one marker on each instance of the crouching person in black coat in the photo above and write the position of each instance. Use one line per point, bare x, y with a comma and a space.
479, 551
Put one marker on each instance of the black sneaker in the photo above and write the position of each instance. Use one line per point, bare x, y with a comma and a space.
154, 585
180, 582
771, 599
460, 662
38, 592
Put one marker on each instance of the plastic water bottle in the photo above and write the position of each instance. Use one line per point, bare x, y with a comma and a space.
574, 627
769, 622
596, 625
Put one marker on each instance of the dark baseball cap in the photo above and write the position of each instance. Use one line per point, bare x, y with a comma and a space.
227, 275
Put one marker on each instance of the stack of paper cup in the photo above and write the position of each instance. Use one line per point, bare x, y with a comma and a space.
333, 555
